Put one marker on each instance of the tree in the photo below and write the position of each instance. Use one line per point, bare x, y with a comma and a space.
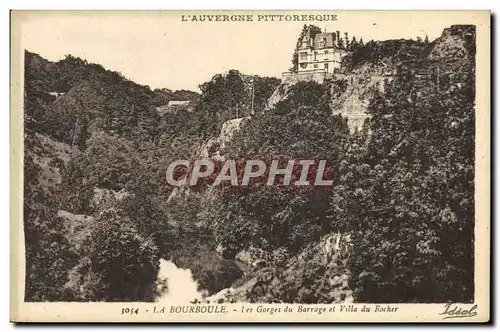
110, 162
353, 45
226, 96
75, 191
341, 43
347, 42
116, 262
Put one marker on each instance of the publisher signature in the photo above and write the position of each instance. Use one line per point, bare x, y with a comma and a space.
455, 311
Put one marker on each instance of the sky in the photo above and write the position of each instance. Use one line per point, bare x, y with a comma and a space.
159, 49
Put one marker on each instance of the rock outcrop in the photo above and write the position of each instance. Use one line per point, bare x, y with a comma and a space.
214, 148
318, 274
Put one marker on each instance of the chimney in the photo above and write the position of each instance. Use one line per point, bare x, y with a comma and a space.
338, 35
324, 30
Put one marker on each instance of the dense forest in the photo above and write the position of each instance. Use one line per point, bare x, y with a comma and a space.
99, 215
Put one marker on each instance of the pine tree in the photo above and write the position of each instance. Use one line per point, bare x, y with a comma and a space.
341, 43
354, 44
347, 42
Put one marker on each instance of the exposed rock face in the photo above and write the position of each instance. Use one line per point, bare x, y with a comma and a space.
214, 148
318, 274
281, 92
454, 44
351, 94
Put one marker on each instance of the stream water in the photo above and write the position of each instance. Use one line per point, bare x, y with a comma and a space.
182, 288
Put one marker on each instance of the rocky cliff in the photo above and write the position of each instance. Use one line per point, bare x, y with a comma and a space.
318, 274
363, 75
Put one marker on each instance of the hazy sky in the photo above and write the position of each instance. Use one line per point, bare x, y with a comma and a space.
160, 50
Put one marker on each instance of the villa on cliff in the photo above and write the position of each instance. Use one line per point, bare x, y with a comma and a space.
318, 56
320, 52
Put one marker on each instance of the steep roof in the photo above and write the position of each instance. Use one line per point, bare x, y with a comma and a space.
316, 39
328, 39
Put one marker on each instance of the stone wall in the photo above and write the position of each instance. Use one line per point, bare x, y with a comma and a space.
318, 76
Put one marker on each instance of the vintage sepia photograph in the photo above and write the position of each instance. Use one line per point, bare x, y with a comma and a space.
240, 166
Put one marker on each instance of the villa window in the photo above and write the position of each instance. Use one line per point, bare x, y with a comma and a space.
326, 51
315, 55
322, 43
303, 56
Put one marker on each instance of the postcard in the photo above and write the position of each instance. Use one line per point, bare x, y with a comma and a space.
250, 166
